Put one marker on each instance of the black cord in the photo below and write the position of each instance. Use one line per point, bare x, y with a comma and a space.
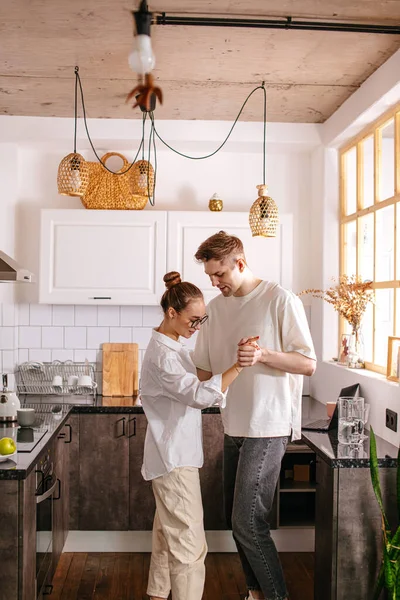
155, 156
76, 107
89, 138
154, 133
265, 130
259, 87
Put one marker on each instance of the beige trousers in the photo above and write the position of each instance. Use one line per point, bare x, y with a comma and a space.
178, 544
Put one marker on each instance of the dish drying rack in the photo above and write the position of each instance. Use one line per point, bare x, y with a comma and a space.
37, 378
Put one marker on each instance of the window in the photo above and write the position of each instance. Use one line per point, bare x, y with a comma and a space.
369, 236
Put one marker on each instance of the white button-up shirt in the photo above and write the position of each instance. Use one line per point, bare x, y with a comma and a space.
172, 398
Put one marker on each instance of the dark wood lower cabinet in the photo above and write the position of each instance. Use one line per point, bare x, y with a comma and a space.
141, 499
103, 472
211, 475
61, 496
74, 462
18, 539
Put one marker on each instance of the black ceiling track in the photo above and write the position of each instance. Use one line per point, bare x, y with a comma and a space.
287, 23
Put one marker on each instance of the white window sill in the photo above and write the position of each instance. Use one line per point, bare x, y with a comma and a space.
363, 373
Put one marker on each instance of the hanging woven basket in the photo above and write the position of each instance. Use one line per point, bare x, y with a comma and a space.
111, 191
73, 175
263, 217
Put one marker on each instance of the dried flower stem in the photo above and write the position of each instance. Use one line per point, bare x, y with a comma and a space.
349, 298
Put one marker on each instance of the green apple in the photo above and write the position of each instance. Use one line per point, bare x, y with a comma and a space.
7, 446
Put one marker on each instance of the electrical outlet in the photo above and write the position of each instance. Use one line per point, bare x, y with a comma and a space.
391, 419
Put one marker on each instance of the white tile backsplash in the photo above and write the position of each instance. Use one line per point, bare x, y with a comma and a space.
9, 316
7, 340
131, 316
23, 355
39, 355
108, 315
62, 355
30, 337
8, 361
40, 314
97, 336
52, 337
121, 335
23, 314
82, 355
64, 315
86, 315
152, 316
141, 336
75, 337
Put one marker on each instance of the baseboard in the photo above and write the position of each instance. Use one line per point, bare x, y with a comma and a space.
286, 540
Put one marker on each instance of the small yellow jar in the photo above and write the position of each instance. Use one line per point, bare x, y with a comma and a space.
215, 204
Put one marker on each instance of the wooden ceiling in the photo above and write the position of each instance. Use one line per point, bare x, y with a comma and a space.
204, 72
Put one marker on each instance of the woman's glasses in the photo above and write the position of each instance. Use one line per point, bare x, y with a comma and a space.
197, 322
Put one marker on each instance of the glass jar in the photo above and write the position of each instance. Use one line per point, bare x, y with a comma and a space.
351, 420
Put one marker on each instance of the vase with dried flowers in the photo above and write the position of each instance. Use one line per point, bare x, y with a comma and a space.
349, 298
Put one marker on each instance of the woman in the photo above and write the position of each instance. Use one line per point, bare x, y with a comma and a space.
172, 398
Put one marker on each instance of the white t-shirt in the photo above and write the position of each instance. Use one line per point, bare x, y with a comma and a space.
171, 396
262, 401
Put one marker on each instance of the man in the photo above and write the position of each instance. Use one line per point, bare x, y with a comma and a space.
263, 405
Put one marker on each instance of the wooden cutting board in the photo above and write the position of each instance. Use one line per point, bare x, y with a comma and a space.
120, 369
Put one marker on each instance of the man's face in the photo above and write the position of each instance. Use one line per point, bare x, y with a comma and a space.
225, 275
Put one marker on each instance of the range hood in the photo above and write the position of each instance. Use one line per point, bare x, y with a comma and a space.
11, 271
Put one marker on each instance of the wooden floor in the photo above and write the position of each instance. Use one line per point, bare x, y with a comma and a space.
121, 576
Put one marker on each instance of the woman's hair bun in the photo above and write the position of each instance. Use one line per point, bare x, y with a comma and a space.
172, 278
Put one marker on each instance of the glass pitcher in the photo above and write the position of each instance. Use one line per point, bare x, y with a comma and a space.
351, 420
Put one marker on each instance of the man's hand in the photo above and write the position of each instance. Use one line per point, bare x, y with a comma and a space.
249, 352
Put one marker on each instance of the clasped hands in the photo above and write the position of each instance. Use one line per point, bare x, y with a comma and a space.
249, 352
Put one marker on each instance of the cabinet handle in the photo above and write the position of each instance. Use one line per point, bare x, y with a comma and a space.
48, 590
133, 420
58, 492
70, 433
99, 298
123, 426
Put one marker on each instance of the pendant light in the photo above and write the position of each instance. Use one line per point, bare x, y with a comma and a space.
73, 170
263, 216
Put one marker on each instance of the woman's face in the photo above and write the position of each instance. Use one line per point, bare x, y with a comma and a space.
187, 322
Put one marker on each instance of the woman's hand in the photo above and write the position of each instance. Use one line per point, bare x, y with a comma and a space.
249, 352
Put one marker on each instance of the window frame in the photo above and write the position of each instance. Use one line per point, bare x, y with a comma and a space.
373, 130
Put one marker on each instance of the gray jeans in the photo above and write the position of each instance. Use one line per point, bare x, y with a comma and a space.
251, 471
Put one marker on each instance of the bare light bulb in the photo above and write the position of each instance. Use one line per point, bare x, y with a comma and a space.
141, 59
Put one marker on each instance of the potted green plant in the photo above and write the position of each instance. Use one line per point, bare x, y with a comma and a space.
389, 574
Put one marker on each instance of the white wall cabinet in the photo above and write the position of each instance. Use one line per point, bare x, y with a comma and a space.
102, 257
120, 257
268, 258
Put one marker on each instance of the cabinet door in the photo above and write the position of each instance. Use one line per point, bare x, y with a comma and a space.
103, 472
72, 440
102, 257
142, 505
270, 259
211, 475
325, 531
60, 497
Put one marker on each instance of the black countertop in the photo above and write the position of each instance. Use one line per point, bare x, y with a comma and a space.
325, 445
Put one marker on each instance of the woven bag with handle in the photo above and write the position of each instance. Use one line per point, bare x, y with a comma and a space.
111, 191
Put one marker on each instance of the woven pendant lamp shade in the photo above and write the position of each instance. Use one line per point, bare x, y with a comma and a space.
263, 216
73, 175
142, 178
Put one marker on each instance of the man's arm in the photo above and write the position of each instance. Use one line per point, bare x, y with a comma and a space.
203, 375
290, 362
